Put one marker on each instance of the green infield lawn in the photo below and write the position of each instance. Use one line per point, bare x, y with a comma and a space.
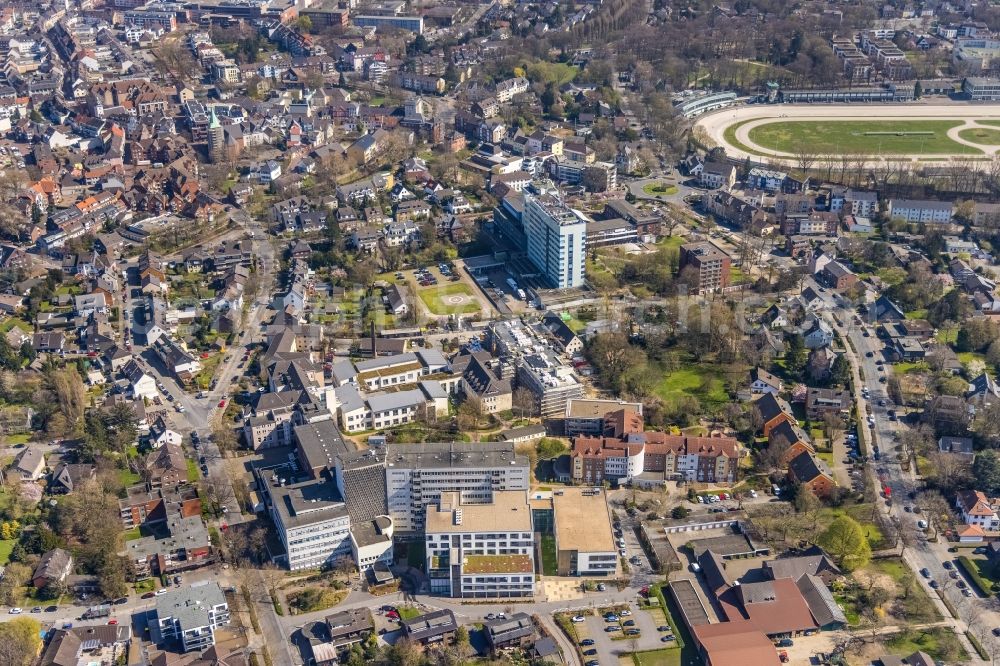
870, 137
984, 135
450, 299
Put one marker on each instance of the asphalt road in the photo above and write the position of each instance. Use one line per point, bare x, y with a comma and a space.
901, 478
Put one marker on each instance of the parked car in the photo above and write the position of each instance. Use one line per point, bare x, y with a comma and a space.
579, 618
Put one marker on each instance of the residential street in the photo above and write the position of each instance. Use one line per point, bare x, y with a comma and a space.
901, 478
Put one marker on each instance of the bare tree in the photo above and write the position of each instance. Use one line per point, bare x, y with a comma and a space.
524, 401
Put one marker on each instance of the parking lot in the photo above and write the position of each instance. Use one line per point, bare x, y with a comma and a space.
607, 649
445, 290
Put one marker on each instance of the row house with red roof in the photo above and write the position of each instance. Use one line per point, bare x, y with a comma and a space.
627, 451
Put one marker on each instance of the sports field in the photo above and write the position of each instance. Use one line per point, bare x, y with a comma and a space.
449, 299
870, 137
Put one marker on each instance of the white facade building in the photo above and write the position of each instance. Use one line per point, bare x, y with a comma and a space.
556, 240
417, 475
311, 520
190, 616
925, 211
476, 550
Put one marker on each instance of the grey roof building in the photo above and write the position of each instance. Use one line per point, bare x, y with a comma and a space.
318, 445
189, 616
824, 608
433, 627
517, 630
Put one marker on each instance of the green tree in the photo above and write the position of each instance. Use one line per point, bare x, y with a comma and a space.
462, 641
840, 371
845, 541
679, 512
795, 355
304, 24
986, 471
918, 90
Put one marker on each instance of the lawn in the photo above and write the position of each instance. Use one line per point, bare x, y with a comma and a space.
439, 301
144, 586
208, 371
916, 604
6, 546
965, 358
128, 477
981, 568
873, 137
193, 474
549, 558
407, 612
693, 380
11, 322
859, 512
939, 642
906, 367
908, 598
133, 534
312, 599
659, 189
671, 242
982, 135
665, 657
917, 314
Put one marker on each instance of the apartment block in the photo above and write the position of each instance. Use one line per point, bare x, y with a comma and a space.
477, 550
552, 383
711, 266
627, 451
189, 616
